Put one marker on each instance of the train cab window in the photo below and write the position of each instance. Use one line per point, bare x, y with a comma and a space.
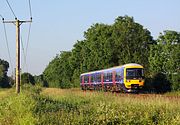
134, 73
130, 72
139, 72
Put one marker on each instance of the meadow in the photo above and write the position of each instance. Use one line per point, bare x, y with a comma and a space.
44, 106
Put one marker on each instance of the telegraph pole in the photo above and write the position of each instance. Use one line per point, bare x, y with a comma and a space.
17, 24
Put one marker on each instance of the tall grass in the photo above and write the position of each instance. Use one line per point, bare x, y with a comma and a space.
17, 109
57, 106
107, 108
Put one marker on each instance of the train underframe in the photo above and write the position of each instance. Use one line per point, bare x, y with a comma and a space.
134, 88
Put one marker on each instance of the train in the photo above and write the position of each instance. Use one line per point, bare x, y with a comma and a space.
125, 78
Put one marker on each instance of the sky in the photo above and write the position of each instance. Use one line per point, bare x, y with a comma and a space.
58, 24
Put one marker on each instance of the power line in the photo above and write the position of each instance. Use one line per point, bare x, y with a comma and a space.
29, 31
25, 51
11, 9
25, 62
2, 19
7, 46
1, 16
30, 10
28, 39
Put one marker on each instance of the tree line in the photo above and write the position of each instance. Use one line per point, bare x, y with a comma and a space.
124, 41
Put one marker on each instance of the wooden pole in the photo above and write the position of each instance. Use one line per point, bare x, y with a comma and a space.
17, 56
17, 24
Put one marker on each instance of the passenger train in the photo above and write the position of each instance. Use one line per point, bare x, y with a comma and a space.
125, 78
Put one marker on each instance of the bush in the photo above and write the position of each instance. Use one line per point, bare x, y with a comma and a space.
27, 78
161, 83
176, 82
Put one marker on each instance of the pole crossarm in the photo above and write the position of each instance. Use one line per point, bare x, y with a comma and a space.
20, 22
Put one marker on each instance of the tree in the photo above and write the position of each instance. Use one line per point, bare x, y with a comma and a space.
4, 80
131, 41
58, 73
110, 45
76, 62
27, 78
39, 80
164, 58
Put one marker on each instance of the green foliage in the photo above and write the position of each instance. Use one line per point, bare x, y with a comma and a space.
4, 80
176, 81
39, 80
17, 110
131, 41
58, 73
164, 58
27, 78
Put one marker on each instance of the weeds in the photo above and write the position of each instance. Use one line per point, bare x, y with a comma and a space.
57, 106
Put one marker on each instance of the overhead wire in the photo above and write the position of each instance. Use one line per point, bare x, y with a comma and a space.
5, 32
25, 62
1, 16
2, 19
30, 10
28, 37
25, 50
11, 9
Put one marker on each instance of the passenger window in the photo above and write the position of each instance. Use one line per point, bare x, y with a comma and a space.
118, 75
105, 76
98, 77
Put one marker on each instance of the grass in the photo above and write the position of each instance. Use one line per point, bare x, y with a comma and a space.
108, 108
177, 93
5, 92
73, 106
17, 109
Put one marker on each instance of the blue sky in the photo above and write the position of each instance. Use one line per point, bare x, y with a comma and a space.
58, 24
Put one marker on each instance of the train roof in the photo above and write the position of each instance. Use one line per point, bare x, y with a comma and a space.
130, 65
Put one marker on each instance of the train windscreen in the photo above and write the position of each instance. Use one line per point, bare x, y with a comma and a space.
134, 73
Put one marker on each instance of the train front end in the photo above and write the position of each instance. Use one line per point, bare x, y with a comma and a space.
133, 77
